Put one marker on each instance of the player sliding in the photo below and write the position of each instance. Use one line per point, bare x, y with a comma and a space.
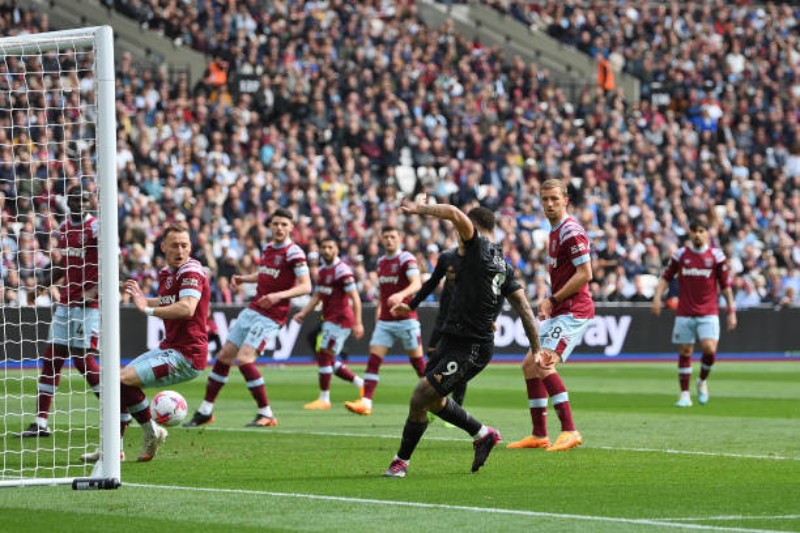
183, 300
567, 314
467, 344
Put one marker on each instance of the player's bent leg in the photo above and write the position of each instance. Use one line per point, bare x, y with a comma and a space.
363, 406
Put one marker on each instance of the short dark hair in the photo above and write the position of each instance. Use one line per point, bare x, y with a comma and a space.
482, 218
389, 228
330, 238
698, 222
283, 213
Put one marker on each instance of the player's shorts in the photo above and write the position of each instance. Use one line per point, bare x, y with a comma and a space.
687, 329
75, 327
332, 337
562, 334
254, 329
158, 368
407, 331
458, 360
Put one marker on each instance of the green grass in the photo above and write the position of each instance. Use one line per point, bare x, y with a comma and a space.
733, 465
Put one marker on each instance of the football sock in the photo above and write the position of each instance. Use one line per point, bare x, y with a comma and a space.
456, 415
706, 363
358, 381
216, 380
684, 371
124, 421
537, 403
89, 369
325, 363
371, 375
558, 393
205, 408
342, 371
255, 383
135, 402
419, 365
459, 392
325, 396
412, 433
266, 411
482, 432
54, 357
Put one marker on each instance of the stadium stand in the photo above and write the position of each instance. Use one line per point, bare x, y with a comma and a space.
337, 109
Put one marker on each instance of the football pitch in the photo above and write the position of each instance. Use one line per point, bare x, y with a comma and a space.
732, 465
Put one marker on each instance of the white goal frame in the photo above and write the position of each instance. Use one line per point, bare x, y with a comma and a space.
106, 472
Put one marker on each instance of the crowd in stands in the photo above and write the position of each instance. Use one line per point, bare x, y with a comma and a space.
359, 104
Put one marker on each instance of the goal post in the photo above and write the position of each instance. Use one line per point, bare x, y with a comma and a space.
58, 133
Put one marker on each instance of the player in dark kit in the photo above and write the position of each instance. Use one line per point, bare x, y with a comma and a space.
484, 278
446, 267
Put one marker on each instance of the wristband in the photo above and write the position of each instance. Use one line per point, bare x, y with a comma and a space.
553, 301
149, 311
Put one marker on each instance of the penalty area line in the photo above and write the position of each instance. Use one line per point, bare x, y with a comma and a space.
445, 507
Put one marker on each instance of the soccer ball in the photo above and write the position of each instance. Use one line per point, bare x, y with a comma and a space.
169, 408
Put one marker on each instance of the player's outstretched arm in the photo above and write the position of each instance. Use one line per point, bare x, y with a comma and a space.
445, 212
520, 304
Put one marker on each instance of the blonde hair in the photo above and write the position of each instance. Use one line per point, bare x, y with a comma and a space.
553, 183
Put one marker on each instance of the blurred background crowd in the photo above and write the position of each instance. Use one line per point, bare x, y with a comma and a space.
359, 105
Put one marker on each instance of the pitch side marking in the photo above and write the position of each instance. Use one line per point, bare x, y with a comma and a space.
733, 517
420, 505
464, 439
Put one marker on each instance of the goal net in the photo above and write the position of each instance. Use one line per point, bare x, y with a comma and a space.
59, 291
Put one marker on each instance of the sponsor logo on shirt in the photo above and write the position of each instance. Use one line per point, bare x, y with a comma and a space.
325, 290
274, 272
388, 279
73, 252
701, 272
190, 282
167, 300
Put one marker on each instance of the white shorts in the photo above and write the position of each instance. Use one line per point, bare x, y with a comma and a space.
159, 367
407, 331
75, 327
332, 337
254, 329
562, 333
687, 329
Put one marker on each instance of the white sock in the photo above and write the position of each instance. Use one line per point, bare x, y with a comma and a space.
481, 433
41, 422
266, 411
205, 408
367, 402
149, 428
325, 396
358, 381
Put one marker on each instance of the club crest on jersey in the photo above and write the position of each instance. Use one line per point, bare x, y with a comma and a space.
278, 260
394, 269
168, 283
707, 262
